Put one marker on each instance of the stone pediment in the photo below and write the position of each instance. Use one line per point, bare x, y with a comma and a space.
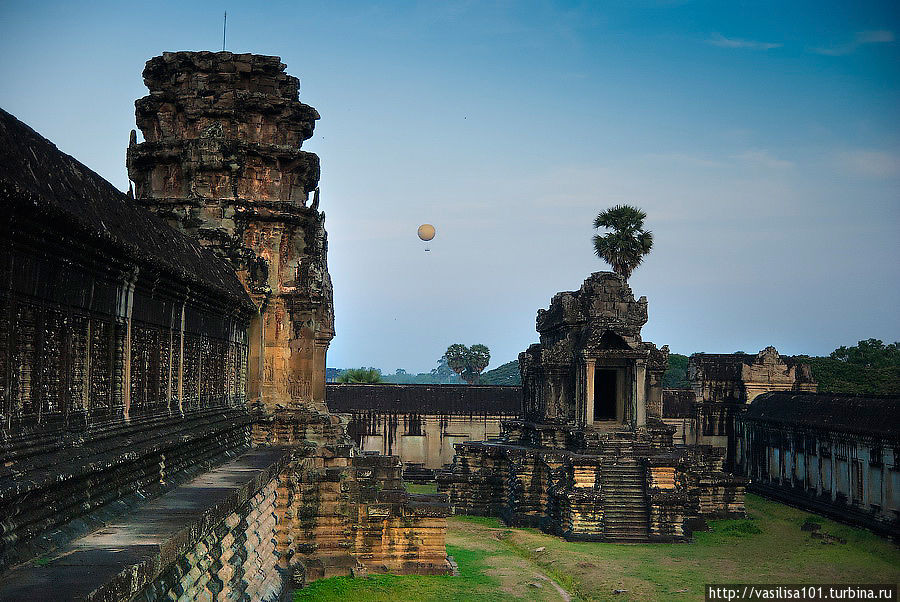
603, 303
607, 340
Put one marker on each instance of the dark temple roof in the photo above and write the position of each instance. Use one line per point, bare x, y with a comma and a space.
678, 403
865, 415
478, 400
35, 176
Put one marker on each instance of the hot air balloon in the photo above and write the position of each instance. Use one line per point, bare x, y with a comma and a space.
426, 233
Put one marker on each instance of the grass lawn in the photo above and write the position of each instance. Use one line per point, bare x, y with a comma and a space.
500, 563
426, 488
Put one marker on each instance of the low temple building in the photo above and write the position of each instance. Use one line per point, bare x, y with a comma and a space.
722, 387
591, 458
421, 423
834, 454
181, 357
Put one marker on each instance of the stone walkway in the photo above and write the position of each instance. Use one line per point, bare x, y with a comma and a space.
117, 561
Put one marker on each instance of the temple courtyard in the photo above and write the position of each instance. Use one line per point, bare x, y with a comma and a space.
501, 563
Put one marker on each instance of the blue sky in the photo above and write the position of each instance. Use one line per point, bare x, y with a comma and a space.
761, 138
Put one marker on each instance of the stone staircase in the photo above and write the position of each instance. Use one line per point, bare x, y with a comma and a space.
417, 473
622, 482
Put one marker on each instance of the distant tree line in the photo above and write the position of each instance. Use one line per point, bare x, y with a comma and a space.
870, 367
441, 375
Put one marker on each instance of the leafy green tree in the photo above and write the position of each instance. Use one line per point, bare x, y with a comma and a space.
364, 376
468, 362
676, 376
871, 353
443, 373
623, 248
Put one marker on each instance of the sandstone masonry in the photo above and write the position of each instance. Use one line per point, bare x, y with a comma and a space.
140, 351
591, 458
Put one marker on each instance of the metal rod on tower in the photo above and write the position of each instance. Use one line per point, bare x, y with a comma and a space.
224, 25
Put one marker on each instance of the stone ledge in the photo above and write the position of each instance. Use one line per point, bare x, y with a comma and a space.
50, 499
116, 562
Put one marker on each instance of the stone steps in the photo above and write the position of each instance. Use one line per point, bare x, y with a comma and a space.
626, 516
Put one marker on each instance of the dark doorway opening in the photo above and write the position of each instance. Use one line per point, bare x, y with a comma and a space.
605, 395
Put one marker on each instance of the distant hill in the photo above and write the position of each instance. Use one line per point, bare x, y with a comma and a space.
422, 378
507, 374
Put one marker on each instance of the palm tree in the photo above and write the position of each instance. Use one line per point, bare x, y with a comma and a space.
623, 248
468, 362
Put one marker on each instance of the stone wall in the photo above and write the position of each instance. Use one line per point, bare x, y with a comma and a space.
123, 351
235, 560
740, 377
421, 423
346, 514
209, 538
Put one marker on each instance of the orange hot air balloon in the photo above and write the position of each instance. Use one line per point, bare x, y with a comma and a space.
426, 233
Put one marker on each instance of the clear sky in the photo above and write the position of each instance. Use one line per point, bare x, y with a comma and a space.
762, 139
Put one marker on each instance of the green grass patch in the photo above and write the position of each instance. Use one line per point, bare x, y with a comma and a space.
471, 584
499, 563
736, 528
485, 521
426, 488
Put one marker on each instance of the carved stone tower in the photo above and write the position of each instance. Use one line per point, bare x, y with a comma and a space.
591, 458
221, 161
591, 367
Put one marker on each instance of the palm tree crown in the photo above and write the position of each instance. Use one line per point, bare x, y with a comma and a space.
623, 248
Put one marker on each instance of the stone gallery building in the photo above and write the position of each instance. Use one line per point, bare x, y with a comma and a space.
834, 454
421, 423
163, 429
590, 457
722, 387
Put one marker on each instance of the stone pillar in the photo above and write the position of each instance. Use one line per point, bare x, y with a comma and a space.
640, 393
554, 393
589, 366
318, 369
126, 303
834, 469
887, 479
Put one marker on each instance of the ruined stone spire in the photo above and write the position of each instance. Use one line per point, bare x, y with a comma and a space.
221, 160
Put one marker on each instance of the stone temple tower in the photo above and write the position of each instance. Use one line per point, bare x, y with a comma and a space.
222, 161
590, 458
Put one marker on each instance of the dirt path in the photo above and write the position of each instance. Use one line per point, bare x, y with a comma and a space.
562, 593
519, 577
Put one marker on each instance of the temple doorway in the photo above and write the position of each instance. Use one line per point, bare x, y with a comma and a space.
605, 395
